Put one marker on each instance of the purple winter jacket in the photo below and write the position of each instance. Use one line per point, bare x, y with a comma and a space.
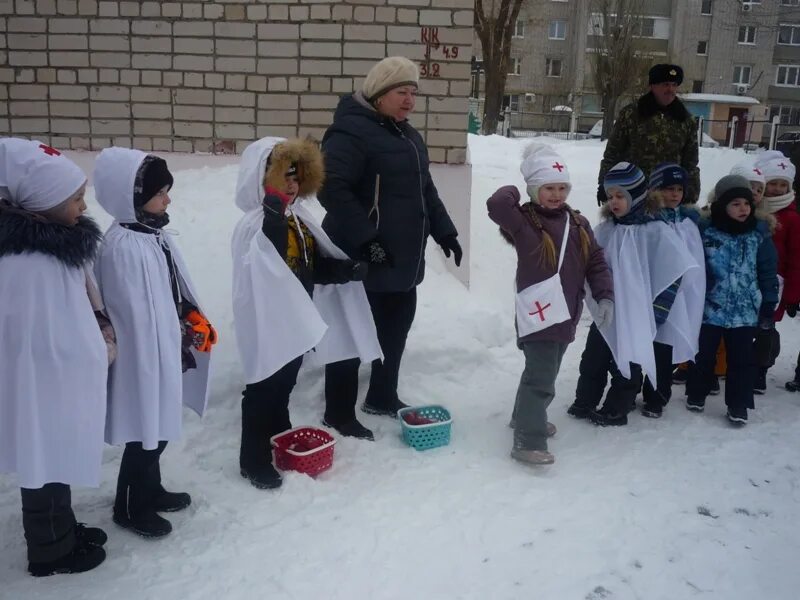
505, 210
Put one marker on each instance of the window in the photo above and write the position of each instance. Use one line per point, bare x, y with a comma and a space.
787, 75
646, 28
790, 2
515, 67
558, 30
705, 7
702, 48
789, 115
697, 86
741, 74
519, 28
552, 67
747, 34
789, 35
511, 102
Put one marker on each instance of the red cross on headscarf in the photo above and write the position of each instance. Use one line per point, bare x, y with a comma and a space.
757, 171
558, 166
49, 151
782, 166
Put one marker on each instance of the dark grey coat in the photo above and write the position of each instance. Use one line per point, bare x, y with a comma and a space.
363, 148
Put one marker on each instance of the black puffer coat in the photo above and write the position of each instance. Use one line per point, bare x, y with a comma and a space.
363, 148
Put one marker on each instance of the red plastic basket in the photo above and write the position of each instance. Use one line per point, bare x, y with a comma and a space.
303, 449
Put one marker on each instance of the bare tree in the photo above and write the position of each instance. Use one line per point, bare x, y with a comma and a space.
494, 23
617, 63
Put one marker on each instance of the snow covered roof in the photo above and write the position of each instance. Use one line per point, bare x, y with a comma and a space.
719, 98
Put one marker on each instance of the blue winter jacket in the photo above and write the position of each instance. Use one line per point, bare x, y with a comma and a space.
741, 275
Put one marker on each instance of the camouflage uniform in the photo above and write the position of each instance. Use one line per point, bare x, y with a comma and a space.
646, 135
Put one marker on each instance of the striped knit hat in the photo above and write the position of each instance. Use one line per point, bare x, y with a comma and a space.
630, 179
667, 174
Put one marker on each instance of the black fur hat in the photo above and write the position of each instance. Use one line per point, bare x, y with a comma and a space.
663, 72
153, 175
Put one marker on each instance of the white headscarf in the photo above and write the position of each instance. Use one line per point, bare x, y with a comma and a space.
36, 177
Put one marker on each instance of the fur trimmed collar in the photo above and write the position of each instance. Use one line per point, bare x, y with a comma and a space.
648, 107
22, 232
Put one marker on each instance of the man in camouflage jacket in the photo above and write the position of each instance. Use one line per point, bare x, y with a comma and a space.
656, 128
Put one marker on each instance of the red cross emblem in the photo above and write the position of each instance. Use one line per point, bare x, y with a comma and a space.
539, 310
757, 171
49, 151
558, 166
782, 166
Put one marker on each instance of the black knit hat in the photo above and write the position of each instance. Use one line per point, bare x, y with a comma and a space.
728, 189
662, 73
153, 175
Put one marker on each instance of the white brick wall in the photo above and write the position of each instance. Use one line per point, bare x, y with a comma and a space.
211, 75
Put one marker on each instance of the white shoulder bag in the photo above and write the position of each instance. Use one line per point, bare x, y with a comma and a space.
542, 304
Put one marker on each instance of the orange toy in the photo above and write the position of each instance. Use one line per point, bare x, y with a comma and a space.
204, 335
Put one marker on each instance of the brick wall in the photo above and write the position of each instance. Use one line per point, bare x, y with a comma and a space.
213, 76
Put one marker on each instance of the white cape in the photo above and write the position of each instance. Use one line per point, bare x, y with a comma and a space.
274, 318
146, 386
644, 261
53, 368
682, 328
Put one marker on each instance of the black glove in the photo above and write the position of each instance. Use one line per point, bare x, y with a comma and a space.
602, 197
451, 243
350, 270
766, 322
376, 254
791, 309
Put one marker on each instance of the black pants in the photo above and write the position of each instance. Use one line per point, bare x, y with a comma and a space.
741, 366
265, 412
596, 363
139, 481
393, 314
48, 521
797, 369
660, 395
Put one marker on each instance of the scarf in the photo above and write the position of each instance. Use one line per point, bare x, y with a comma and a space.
774, 204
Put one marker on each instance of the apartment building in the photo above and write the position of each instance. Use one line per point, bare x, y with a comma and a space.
727, 47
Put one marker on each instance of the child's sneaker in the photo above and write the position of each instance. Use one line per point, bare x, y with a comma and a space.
533, 457
793, 386
714, 389
579, 412
608, 419
695, 404
652, 411
679, 375
737, 418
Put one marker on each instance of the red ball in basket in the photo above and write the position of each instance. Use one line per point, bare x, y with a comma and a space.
303, 449
414, 418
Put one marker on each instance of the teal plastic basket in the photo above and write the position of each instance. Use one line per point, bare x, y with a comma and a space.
430, 435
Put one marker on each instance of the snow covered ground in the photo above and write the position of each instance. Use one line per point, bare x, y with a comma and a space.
677, 508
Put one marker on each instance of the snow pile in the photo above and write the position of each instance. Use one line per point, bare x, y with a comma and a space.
679, 507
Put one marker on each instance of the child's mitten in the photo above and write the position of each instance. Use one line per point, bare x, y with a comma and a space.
605, 313
203, 336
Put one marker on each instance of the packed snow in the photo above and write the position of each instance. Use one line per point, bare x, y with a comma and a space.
680, 507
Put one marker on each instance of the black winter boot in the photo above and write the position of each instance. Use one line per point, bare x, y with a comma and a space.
84, 557
388, 410
793, 385
263, 477
171, 501
147, 525
351, 428
579, 412
90, 535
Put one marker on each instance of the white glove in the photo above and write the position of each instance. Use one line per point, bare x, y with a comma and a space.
605, 313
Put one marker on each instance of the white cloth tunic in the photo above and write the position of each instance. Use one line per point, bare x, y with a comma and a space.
146, 386
682, 328
644, 260
53, 369
274, 318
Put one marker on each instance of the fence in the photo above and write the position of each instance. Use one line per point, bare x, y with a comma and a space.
559, 135
738, 133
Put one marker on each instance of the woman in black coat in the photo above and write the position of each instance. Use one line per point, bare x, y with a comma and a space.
381, 207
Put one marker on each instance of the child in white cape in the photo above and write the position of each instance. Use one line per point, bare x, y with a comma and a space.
164, 347
53, 359
293, 292
647, 259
